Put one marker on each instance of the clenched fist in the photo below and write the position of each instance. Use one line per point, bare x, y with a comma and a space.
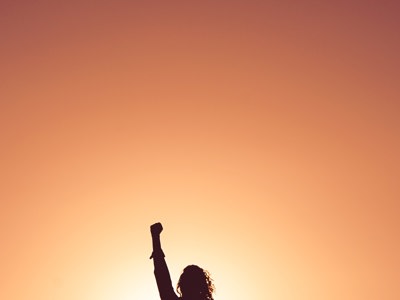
156, 229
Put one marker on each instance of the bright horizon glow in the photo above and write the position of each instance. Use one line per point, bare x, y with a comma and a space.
264, 135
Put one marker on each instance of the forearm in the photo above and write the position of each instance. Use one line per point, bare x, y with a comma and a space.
157, 250
161, 271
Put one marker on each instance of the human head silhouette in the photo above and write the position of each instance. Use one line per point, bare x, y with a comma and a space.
195, 284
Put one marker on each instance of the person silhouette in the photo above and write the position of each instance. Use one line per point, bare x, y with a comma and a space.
194, 283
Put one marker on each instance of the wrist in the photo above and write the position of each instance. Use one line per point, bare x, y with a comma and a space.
155, 235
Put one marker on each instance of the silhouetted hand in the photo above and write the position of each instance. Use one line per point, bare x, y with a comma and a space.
156, 229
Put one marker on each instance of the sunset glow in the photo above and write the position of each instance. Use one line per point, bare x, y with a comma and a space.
265, 136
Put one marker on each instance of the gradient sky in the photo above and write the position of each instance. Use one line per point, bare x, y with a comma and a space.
264, 135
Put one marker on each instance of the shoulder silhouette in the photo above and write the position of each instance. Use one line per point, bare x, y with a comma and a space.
194, 283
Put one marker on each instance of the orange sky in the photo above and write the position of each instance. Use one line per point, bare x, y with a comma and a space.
264, 136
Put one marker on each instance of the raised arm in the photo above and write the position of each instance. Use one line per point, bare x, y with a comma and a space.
161, 271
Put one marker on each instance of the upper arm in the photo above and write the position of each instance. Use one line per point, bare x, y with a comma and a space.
163, 279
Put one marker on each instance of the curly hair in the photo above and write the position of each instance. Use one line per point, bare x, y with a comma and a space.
195, 283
